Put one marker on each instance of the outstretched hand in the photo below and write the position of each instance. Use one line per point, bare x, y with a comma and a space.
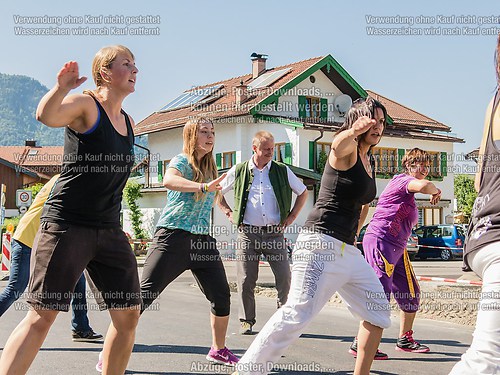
214, 185
435, 198
362, 124
68, 77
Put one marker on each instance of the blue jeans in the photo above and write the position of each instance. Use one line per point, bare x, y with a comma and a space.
18, 277
18, 281
79, 318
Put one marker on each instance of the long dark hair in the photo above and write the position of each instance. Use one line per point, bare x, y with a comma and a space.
362, 107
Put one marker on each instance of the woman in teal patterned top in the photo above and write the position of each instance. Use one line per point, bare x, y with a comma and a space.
182, 239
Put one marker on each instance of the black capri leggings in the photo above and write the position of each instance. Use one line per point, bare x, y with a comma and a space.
174, 251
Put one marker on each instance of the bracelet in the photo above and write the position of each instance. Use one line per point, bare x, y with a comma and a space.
204, 188
438, 192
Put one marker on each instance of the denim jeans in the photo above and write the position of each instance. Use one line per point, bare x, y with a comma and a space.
18, 281
18, 277
79, 318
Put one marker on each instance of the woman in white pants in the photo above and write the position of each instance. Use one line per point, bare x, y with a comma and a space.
325, 259
482, 248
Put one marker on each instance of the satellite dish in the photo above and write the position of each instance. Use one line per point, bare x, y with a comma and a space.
342, 103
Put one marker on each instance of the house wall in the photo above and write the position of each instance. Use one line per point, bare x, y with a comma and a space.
235, 134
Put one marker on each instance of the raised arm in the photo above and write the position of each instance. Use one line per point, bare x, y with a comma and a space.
56, 109
425, 187
345, 144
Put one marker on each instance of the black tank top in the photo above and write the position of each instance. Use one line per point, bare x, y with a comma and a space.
484, 227
95, 169
341, 196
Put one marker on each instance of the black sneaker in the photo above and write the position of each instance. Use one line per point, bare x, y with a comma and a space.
379, 356
407, 344
246, 328
86, 336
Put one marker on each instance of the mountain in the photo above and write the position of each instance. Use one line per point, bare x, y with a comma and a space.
19, 97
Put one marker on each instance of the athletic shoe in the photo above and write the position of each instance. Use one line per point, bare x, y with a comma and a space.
246, 328
222, 357
86, 336
98, 367
407, 344
379, 356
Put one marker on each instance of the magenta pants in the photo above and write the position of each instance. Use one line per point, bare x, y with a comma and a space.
394, 270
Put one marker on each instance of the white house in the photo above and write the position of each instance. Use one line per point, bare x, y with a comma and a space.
302, 104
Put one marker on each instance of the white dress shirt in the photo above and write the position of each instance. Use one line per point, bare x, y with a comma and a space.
262, 207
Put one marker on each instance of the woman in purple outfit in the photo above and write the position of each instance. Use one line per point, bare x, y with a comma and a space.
385, 240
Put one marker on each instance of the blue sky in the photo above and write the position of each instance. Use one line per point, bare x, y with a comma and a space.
449, 78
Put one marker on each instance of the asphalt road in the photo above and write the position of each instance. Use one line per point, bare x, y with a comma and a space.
175, 337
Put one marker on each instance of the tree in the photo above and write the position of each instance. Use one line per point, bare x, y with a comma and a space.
131, 193
323, 157
35, 189
465, 194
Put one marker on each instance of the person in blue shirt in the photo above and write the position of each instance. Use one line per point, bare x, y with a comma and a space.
182, 239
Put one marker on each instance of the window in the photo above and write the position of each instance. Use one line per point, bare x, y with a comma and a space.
431, 216
283, 152
228, 159
386, 160
311, 107
323, 147
435, 170
162, 167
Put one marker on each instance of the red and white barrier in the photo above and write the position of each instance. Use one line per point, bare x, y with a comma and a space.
442, 279
6, 250
442, 247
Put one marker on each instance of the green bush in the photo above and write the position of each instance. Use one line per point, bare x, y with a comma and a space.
12, 220
131, 193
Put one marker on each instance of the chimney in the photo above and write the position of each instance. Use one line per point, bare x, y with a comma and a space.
241, 93
30, 143
258, 64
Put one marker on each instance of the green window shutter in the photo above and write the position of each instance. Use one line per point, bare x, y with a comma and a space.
324, 108
160, 171
401, 154
312, 154
234, 158
288, 153
218, 160
302, 106
444, 164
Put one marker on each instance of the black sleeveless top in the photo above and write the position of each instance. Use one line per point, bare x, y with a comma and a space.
95, 169
484, 227
341, 196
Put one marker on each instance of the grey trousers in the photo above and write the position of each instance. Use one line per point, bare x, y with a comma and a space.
252, 243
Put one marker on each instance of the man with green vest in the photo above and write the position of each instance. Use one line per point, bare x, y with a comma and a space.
262, 210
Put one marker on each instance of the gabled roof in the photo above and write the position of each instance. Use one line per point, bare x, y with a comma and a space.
224, 105
17, 168
43, 161
402, 121
405, 116
33, 156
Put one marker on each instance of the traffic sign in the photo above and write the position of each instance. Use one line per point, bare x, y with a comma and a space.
23, 198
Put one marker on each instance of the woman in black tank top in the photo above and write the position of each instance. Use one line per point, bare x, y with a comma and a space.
482, 247
325, 259
80, 223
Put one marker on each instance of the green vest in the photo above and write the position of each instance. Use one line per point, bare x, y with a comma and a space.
279, 180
